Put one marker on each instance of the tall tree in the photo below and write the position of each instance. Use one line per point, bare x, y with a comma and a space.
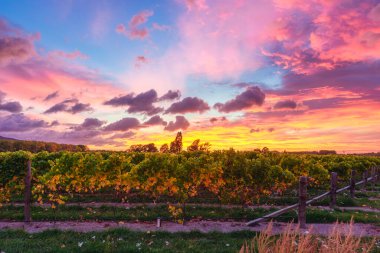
164, 148
176, 145
150, 148
194, 146
205, 147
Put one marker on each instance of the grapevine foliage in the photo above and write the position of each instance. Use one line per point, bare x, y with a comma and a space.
230, 176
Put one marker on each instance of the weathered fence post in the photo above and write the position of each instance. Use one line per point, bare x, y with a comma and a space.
302, 195
333, 187
28, 192
373, 175
352, 185
365, 179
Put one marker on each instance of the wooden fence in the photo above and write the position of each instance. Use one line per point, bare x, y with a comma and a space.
301, 205
302, 195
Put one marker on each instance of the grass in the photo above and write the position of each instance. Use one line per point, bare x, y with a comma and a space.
293, 240
143, 213
140, 213
121, 240
326, 216
343, 200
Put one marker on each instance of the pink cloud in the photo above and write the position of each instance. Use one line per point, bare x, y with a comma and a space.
140, 18
314, 35
69, 55
140, 60
374, 14
159, 27
196, 4
213, 42
15, 45
134, 30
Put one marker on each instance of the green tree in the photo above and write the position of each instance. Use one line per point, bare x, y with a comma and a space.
176, 145
164, 148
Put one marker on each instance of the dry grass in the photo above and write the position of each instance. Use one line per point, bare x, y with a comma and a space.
292, 240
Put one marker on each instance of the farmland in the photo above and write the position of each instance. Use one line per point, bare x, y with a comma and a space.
186, 188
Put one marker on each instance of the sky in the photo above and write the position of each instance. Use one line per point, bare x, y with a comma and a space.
284, 74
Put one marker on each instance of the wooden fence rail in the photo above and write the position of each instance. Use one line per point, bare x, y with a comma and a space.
302, 195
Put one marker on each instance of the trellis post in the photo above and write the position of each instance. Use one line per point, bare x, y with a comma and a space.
373, 175
302, 195
365, 179
352, 185
28, 192
333, 187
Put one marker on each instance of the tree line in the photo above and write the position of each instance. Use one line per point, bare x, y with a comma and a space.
38, 146
176, 146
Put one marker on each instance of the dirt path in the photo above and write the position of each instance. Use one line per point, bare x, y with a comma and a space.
132, 205
202, 226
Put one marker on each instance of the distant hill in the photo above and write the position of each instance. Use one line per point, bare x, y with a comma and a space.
10, 144
6, 138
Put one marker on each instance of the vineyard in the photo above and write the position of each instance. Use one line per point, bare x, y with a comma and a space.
223, 177
200, 189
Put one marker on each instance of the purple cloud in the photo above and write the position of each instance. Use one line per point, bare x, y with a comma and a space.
251, 96
15, 46
179, 123
79, 107
155, 120
90, 123
51, 96
286, 104
20, 123
60, 107
188, 105
123, 135
69, 105
13, 107
346, 76
170, 95
141, 103
214, 119
124, 124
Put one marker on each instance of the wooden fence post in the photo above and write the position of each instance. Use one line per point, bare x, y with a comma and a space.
333, 187
28, 192
365, 179
373, 175
352, 185
302, 195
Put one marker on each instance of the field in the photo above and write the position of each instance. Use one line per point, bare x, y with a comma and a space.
111, 200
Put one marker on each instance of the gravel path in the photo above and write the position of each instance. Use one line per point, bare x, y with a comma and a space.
202, 226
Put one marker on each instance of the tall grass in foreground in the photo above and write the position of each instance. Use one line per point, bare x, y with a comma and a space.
295, 241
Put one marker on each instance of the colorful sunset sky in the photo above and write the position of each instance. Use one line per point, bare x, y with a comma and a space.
284, 74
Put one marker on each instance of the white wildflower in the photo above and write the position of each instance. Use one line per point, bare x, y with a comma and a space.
80, 244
